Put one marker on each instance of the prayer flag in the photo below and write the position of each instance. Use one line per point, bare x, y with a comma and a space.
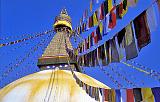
108, 51
123, 95
98, 34
101, 27
114, 51
82, 59
95, 19
93, 58
125, 4
91, 4
97, 95
130, 45
109, 5
122, 9
130, 96
89, 59
156, 93
101, 12
90, 40
142, 30
99, 54
111, 95
147, 95
120, 48
83, 27
105, 7
103, 55
137, 94
78, 30
121, 35
87, 24
119, 9
105, 25
106, 94
132, 3
112, 18
96, 39
125, 8
118, 96
94, 35
91, 21
86, 44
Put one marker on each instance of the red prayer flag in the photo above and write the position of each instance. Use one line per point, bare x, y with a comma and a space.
112, 19
106, 94
119, 10
101, 12
96, 39
91, 21
130, 96
92, 34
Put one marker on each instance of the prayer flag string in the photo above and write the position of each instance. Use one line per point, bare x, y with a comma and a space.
124, 78
19, 62
127, 74
106, 8
25, 39
95, 90
110, 76
141, 70
146, 68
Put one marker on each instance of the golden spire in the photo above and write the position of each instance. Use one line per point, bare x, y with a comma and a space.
55, 53
63, 20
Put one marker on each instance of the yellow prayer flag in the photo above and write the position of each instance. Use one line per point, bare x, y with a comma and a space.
109, 5
95, 20
113, 95
76, 51
147, 95
124, 12
101, 27
125, 8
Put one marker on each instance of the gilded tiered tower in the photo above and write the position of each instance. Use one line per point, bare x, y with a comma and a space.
56, 55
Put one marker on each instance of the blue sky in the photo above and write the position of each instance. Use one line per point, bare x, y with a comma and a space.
27, 16
20, 17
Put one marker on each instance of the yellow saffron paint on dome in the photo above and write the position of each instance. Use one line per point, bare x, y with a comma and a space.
33, 88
